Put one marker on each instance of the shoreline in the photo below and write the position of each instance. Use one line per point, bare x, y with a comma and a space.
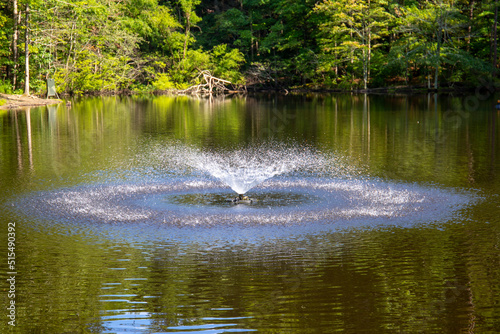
13, 102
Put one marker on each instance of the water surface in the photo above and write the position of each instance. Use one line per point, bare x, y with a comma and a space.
390, 226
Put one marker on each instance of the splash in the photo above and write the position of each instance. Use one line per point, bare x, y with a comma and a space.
246, 167
192, 187
284, 201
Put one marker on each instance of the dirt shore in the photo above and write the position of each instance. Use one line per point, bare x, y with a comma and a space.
22, 101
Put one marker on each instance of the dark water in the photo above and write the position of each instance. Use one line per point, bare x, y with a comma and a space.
391, 226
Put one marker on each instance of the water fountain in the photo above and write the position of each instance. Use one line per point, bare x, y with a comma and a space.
290, 185
245, 168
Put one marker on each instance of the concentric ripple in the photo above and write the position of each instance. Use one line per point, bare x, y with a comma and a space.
280, 201
294, 186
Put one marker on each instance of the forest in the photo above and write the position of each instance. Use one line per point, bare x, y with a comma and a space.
117, 46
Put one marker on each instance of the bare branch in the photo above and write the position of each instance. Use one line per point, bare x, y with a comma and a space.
210, 86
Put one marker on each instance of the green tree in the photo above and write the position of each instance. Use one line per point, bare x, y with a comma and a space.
430, 29
16, 18
484, 43
274, 36
349, 29
4, 47
190, 20
153, 22
227, 64
187, 70
108, 45
27, 50
89, 47
234, 27
291, 38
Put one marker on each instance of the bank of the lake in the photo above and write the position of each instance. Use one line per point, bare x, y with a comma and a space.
12, 101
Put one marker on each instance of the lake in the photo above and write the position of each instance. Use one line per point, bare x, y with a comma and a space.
371, 213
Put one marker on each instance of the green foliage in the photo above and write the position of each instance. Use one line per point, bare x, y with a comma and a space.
187, 70
158, 28
226, 64
5, 87
232, 27
93, 46
3, 33
92, 73
163, 82
350, 31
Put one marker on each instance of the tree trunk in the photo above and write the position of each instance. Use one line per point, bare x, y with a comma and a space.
365, 69
186, 37
27, 54
471, 17
365, 56
495, 37
369, 45
429, 78
352, 62
15, 37
73, 27
369, 52
407, 70
336, 61
251, 36
438, 58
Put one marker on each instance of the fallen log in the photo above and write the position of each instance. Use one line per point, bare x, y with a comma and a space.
212, 85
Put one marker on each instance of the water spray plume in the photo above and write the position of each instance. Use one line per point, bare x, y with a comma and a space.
245, 168
191, 189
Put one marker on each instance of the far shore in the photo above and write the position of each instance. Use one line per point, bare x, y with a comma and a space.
12, 101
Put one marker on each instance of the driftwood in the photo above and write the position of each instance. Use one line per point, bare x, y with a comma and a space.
212, 85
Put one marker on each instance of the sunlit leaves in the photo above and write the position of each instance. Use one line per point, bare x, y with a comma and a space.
163, 82
227, 63
93, 73
349, 30
344, 43
430, 34
4, 38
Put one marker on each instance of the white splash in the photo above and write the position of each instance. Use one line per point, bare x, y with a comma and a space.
245, 168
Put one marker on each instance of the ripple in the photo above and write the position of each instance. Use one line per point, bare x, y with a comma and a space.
123, 321
283, 201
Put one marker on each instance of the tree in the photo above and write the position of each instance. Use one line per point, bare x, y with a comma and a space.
495, 36
89, 48
289, 39
484, 23
431, 29
27, 51
4, 46
349, 28
233, 27
190, 18
15, 41
108, 45
226, 64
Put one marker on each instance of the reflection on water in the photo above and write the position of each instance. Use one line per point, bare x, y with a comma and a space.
396, 231
323, 281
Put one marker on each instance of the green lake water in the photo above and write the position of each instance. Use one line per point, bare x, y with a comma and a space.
392, 226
